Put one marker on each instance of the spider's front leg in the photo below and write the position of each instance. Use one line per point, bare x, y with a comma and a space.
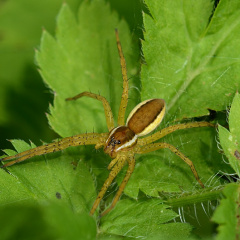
77, 140
156, 146
106, 106
124, 98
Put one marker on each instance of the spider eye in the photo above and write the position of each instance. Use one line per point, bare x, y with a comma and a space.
112, 142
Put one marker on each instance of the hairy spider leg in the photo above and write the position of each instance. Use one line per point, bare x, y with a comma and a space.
156, 146
119, 163
106, 106
131, 166
81, 139
112, 163
160, 134
124, 99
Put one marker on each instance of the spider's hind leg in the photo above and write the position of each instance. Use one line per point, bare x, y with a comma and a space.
165, 131
155, 146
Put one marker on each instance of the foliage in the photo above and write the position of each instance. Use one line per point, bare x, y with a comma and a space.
230, 139
192, 61
227, 214
24, 97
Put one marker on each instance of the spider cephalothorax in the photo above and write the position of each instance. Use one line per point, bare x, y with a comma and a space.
119, 138
143, 119
122, 142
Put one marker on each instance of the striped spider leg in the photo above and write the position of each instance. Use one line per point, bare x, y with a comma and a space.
121, 143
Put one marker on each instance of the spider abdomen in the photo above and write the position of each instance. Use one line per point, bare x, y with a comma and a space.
146, 116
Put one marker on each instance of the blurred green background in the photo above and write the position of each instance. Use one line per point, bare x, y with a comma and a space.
24, 97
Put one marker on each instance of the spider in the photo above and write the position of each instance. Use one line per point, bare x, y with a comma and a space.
121, 143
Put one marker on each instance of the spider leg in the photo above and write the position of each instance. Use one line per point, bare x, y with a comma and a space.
112, 163
131, 166
155, 146
107, 108
119, 163
81, 139
124, 99
170, 129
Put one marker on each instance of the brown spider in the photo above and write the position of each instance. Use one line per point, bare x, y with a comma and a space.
121, 143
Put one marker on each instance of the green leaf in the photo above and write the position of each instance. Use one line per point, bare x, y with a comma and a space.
63, 178
230, 139
180, 68
70, 225
192, 55
227, 213
24, 97
144, 219
192, 66
84, 57
48, 221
